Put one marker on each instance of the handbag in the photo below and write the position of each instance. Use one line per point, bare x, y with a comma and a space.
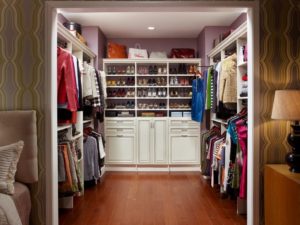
158, 55
182, 53
115, 50
137, 52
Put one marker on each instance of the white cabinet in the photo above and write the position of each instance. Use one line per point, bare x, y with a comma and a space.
184, 141
120, 148
152, 141
120, 141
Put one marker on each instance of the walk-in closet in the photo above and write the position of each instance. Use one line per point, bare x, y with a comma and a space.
148, 102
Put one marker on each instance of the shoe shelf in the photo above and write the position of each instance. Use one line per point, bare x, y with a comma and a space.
148, 87
121, 86
121, 75
121, 98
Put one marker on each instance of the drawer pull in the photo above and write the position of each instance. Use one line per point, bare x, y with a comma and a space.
119, 135
184, 135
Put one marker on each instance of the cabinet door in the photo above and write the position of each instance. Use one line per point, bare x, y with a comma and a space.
145, 143
160, 141
184, 149
120, 149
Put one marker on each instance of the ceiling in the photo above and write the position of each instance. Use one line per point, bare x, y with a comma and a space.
167, 24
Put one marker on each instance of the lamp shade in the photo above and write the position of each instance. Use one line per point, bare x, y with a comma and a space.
286, 105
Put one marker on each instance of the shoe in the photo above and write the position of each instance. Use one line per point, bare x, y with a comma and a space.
158, 81
149, 93
145, 93
139, 93
160, 70
155, 70
150, 82
123, 83
159, 93
109, 71
164, 70
132, 70
155, 105
108, 83
172, 81
140, 105
163, 81
118, 83
164, 92
154, 92
113, 70
128, 71
132, 105
128, 105
186, 82
150, 70
182, 82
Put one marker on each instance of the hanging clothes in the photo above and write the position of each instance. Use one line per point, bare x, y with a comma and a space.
91, 163
198, 102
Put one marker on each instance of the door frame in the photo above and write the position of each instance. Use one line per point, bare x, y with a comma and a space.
251, 8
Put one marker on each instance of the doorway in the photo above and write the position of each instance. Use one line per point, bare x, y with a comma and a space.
251, 8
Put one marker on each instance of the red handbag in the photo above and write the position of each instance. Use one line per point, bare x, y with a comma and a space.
182, 53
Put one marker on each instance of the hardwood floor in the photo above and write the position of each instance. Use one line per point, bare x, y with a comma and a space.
152, 199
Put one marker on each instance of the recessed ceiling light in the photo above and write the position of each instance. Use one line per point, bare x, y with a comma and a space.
151, 28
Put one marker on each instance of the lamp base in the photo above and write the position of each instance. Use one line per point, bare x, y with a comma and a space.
293, 160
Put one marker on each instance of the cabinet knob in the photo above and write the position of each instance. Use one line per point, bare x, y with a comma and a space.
184, 135
119, 135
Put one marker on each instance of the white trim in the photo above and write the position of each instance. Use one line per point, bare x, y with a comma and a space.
239, 32
51, 116
65, 34
185, 168
162, 61
165, 6
253, 174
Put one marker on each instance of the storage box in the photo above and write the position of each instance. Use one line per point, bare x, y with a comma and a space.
187, 114
176, 114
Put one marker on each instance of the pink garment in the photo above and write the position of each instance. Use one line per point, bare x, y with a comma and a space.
67, 96
242, 129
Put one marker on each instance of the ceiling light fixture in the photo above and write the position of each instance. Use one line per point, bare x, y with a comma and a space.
151, 28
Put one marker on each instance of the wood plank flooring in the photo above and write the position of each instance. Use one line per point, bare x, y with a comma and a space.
152, 199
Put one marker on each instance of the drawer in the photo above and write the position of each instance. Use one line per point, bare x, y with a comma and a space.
190, 130
119, 122
115, 130
183, 123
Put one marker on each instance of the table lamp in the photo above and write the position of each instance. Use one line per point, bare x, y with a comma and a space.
286, 106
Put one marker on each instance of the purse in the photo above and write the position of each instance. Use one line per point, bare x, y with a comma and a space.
115, 50
182, 53
158, 55
137, 52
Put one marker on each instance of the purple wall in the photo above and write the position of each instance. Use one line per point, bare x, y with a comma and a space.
158, 44
96, 42
241, 19
205, 41
208, 34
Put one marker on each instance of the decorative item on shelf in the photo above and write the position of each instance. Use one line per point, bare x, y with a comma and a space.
286, 106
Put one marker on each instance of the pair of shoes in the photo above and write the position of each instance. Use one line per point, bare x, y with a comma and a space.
130, 81
130, 105
174, 81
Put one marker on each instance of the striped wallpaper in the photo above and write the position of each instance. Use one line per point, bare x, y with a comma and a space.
22, 72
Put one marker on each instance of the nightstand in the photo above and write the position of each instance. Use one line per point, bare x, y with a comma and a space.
282, 195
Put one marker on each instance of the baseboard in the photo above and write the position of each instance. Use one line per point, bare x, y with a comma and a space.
151, 168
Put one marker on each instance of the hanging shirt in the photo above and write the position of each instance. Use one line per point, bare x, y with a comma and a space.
198, 103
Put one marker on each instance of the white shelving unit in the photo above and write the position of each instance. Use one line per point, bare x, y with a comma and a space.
236, 40
152, 140
145, 80
82, 53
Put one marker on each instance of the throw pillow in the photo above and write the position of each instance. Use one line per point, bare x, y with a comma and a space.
9, 157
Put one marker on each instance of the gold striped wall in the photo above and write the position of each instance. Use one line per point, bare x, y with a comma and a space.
22, 72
